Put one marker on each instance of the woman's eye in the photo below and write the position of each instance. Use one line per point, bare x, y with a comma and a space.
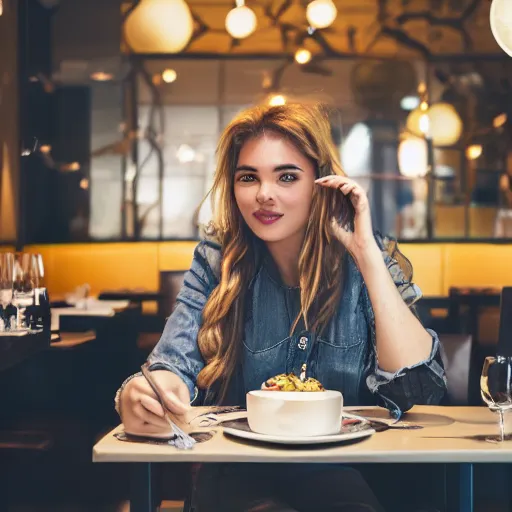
288, 178
246, 178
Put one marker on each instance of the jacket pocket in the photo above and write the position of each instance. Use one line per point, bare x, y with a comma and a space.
263, 362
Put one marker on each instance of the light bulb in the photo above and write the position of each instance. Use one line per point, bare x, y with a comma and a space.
499, 121
241, 22
500, 17
474, 151
413, 157
169, 76
276, 100
101, 76
302, 56
445, 124
424, 124
159, 26
321, 13
440, 122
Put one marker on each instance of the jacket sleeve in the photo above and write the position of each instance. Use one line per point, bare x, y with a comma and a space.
177, 350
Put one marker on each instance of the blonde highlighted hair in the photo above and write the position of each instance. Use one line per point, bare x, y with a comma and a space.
308, 128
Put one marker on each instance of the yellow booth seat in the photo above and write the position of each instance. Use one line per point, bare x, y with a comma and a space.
427, 261
478, 265
104, 266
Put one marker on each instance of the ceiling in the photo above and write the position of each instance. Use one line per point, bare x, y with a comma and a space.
387, 28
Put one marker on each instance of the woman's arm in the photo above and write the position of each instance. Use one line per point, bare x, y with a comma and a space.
177, 351
405, 367
401, 340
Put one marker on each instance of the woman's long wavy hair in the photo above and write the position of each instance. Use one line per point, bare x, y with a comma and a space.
320, 261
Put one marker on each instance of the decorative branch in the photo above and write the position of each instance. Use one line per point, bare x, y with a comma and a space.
436, 21
275, 18
404, 39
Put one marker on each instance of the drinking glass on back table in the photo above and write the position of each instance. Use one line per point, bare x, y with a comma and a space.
41, 313
6, 289
25, 283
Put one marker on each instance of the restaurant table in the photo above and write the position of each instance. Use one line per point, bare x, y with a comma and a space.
15, 349
131, 295
116, 325
450, 435
67, 340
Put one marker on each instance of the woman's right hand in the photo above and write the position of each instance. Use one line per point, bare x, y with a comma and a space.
141, 412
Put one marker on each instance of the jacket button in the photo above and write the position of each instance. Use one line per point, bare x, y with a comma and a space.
303, 343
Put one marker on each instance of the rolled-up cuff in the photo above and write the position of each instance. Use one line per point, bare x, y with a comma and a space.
404, 388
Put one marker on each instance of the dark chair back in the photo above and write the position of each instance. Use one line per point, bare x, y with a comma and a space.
456, 350
505, 332
456, 345
171, 282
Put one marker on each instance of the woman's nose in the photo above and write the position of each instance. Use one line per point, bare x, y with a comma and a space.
264, 193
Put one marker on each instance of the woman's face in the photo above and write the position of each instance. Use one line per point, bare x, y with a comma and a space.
273, 187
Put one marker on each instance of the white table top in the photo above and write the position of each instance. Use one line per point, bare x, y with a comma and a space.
447, 437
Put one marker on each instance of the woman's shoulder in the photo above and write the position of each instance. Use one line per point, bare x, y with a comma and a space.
208, 255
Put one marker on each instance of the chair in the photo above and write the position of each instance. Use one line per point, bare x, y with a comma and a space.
151, 326
171, 282
456, 346
456, 352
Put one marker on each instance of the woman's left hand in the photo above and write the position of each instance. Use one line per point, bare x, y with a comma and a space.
362, 239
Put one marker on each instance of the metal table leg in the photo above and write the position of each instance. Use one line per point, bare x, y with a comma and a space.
142, 488
459, 488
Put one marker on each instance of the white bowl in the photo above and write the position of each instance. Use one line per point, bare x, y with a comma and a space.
291, 413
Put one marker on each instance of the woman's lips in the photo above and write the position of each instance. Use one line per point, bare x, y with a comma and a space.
267, 217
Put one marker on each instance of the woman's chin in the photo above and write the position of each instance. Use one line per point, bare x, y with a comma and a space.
267, 237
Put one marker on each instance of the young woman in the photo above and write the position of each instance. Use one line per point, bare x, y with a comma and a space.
292, 274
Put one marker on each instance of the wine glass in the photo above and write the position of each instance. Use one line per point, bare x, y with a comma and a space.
40, 314
6, 287
496, 388
25, 284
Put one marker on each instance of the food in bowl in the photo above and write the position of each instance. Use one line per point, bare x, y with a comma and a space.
295, 408
290, 382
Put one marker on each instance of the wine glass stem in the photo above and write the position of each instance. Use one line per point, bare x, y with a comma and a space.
502, 425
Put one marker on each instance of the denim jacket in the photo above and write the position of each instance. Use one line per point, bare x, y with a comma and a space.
343, 357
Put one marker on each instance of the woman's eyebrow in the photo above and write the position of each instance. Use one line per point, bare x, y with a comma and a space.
287, 167
246, 168
282, 167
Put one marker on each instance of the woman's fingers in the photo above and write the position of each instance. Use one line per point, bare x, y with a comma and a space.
152, 405
347, 188
170, 398
174, 404
145, 429
147, 417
